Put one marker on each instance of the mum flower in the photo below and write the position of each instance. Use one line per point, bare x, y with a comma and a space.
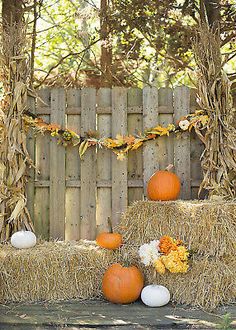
149, 253
167, 244
159, 266
174, 263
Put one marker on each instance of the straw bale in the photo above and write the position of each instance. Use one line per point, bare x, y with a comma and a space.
209, 282
207, 227
52, 271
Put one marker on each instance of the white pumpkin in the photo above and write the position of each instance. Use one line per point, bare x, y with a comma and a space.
155, 295
23, 239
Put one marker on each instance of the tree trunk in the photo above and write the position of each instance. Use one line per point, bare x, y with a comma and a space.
210, 12
106, 46
13, 153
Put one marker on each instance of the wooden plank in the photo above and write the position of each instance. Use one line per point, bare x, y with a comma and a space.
73, 97
88, 167
72, 224
182, 144
103, 211
44, 101
165, 100
42, 172
119, 168
72, 203
135, 158
150, 119
30, 189
133, 183
42, 212
57, 168
165, 144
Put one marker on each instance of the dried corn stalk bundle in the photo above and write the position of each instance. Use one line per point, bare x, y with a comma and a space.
219, 156
13, 153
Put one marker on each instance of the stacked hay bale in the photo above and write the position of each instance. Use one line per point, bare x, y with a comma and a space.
52, 271
209, 231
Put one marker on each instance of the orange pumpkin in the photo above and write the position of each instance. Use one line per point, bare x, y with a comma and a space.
122, 285
109, 240
163, 186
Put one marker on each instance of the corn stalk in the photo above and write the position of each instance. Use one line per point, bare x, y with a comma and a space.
219, 157
14, 157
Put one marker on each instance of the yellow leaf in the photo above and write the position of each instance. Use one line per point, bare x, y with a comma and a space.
121, 156
83, 147
137, 144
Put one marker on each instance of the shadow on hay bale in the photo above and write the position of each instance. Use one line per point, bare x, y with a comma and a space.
209, 228
52, 271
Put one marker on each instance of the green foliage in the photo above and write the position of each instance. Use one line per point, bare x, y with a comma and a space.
150, 40
226, 322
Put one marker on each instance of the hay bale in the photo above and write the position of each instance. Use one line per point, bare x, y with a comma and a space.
208, 228
52, 271
209, 282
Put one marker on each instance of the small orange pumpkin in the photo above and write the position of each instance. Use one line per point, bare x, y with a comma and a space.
122, 285
163, 186
109, 240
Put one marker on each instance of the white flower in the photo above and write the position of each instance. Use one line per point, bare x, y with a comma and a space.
149, 253
184, 124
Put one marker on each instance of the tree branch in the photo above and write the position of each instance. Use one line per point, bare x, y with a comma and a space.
64, 58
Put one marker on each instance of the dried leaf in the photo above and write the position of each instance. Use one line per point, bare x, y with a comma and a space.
17, 210
83, 147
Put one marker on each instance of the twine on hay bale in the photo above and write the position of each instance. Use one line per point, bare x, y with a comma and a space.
209, 282
52, 271
207, 227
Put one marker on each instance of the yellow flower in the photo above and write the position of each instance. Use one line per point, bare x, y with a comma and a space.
173, 263
183, 253
159, 266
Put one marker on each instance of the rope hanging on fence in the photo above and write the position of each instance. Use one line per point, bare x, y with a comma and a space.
122, 144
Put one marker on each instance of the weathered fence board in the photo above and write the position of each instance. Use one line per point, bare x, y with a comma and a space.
104, 174
88, 167
57, 168
150, 119
71, 198
72, 170
182, 143
119, 168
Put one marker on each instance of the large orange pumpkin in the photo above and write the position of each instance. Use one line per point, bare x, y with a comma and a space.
163, 186
122, 285
109, 240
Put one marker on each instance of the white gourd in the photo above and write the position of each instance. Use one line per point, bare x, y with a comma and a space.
23, 239
155, 295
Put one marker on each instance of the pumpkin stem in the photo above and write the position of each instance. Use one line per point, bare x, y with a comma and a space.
110, 224
169, 167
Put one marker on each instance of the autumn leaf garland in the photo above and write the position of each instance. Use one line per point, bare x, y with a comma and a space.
121, 144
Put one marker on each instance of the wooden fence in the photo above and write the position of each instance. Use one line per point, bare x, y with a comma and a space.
71, 198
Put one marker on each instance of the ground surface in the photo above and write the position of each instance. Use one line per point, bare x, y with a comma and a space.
103, 315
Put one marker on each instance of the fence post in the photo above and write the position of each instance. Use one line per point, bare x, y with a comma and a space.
119, 168
88, 166
72, 223
57, 168
182, 144
104, 193
150, 119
